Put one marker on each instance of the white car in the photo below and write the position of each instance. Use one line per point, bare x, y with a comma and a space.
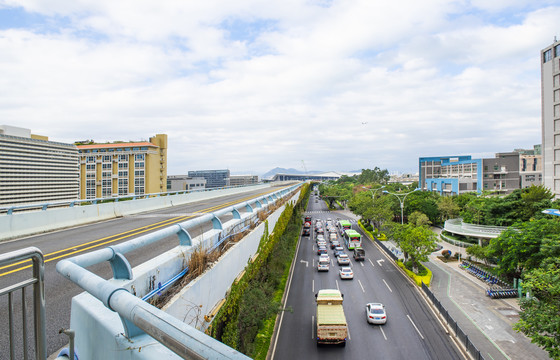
375, 313
322, 243
346, 273
343, 259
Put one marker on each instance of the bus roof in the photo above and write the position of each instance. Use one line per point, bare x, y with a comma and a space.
352, 232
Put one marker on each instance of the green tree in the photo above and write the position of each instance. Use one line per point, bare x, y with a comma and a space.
478, 252
448, 208
377, 176
522, 247
540, 315
416, 243
419, 219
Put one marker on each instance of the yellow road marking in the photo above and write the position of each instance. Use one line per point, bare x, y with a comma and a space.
123, 235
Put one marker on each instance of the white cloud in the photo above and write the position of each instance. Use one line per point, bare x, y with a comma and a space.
251, 85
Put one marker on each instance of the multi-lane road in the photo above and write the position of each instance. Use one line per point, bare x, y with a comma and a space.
411, 332
65, 243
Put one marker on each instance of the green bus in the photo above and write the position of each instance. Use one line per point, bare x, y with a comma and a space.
352, 239
344, 225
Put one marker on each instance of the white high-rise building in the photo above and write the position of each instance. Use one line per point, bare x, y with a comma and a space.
550, 100
34, 170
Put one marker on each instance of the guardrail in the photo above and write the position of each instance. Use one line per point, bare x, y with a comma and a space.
8, 210
37, 280
459, 333
139, 317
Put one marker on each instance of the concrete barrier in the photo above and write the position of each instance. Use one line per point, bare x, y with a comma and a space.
99, 331
35, 222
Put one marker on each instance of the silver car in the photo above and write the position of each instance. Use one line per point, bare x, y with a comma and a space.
346, 273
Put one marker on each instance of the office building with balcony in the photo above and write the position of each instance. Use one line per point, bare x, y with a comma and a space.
454, 175
35, 170
450, 175
184, 182
239, 180
123, 168
214, 178
550, 116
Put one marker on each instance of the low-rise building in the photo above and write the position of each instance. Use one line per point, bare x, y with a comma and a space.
238, 180
184, 182
214, 178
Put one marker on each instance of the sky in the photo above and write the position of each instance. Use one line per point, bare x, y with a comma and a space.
250, 85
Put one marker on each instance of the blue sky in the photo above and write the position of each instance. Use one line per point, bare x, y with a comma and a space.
251, 85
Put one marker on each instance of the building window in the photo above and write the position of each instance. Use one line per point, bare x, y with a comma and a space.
90, 159
123, 186
139, 157
556, 125
557, 110
547, 55
107, 166
556, 95
123, 174
123, 165
556, 80
107, 158
557, 50
139, 165
139, 186
90, 167
123, 157
139, 173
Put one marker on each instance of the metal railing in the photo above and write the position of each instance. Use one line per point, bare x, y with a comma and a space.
139, 317
37, 281
459, 333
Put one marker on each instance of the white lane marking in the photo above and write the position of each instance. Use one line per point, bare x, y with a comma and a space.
380, 261
362, 263
359, 282
313, 286
313, 263
348, 329
337, 285
371, 262
383, 332
387, 285
313, 327
305, 262
413, 324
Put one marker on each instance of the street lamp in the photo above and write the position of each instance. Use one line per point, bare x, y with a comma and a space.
374, 191
401, 200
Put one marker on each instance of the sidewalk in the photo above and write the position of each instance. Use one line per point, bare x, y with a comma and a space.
488, 322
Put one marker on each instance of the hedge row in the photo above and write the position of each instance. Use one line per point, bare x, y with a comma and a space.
255, 299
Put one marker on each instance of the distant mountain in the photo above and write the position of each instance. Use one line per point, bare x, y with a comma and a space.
292, 171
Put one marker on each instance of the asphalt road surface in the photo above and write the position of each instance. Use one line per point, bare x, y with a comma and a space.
71, 242
411, 331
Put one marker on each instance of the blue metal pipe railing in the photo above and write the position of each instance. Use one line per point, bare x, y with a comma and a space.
137, 315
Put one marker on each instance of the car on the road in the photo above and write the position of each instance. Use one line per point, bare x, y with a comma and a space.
321, 250
376, 314
308, 219
307, 225
346, 273
319, 237
335, 243
322, 243
320, 230
338, 250
323, 263
343, 259
305, 232
359, 254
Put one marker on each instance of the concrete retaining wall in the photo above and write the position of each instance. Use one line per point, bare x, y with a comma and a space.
35, 222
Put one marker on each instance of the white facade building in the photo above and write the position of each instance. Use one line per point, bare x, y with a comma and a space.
34, 170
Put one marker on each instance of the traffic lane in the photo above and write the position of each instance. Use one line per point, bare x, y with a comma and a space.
419, 316
77, 235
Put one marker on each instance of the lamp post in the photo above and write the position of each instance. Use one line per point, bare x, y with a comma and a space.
401, 200
374, 191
